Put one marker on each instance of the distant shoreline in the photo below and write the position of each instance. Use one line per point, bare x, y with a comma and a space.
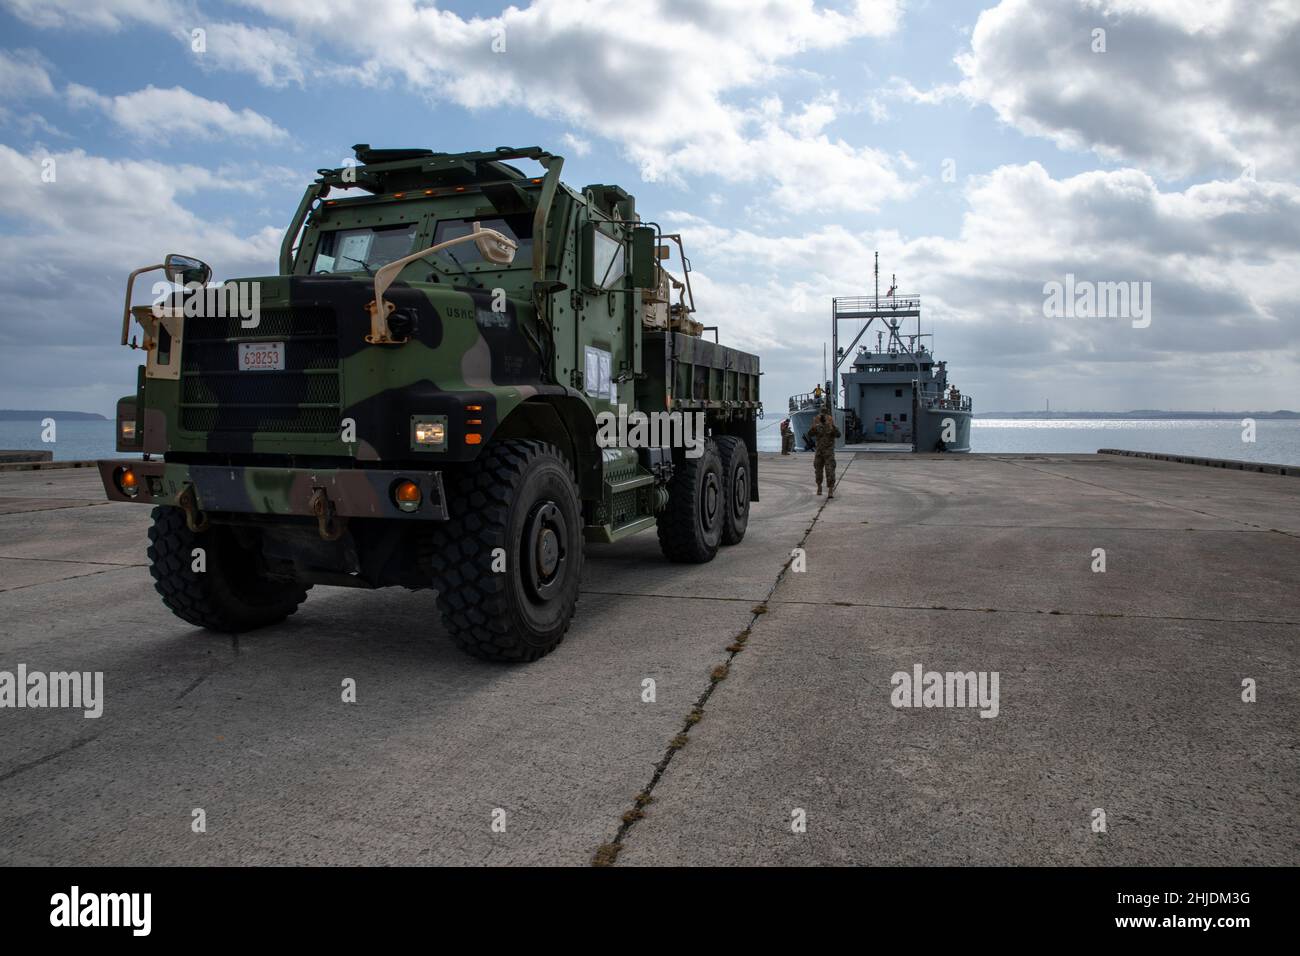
35, 415
1142, 415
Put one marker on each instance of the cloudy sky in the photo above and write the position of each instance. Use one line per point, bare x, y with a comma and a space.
984, 149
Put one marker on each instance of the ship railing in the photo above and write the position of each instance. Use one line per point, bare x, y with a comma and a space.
859, 304
962, 404
807, 398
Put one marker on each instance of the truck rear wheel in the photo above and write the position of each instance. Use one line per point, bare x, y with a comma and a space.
229, 595
512, 604
735, 482
690, 528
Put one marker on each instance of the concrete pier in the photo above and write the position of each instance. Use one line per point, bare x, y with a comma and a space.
23, 456
1120, 691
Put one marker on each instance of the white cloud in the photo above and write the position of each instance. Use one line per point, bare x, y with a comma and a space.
665, 81
576, 144
101, 14
670, 83
802, 169
902, 89
1221, 257
269, 55
23, 74
176, 114
65, 265
117, 207
1183, 87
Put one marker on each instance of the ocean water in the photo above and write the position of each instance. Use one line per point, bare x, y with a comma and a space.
74, 440
1275, 441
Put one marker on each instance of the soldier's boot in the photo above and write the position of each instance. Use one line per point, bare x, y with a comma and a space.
830, 490
819, 487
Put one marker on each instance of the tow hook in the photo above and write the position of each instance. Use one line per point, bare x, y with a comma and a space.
330, 525
195, 520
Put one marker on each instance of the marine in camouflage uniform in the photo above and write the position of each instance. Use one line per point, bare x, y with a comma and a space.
823, 434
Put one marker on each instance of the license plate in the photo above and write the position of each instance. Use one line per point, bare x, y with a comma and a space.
261, 356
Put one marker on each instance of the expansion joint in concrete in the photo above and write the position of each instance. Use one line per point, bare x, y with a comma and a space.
607, 854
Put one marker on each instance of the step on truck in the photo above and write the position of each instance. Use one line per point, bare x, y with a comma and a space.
460, 375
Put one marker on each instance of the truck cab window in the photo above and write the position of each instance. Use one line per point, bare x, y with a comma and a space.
517, 227
364, 249
608, 262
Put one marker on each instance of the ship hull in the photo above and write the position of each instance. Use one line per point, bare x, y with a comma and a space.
943, 429
802, 420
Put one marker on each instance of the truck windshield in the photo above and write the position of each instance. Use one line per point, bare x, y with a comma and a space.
518, 227
364, 249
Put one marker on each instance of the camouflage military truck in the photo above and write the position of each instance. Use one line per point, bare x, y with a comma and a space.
417, 400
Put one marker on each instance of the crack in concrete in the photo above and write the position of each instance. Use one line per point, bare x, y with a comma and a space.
111, 564
1133, 494
947, 607
70, 506
70, 577
1254, 529
32, 764
607, 854
998, 610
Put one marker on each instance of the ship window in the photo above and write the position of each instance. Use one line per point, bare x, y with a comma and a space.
903, 417
898, 393
888, 417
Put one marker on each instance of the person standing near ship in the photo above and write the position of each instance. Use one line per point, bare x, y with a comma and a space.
823, 434
787, 437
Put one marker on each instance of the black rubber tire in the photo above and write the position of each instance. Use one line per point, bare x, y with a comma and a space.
229, 596
690, 528
735, 483
497, 501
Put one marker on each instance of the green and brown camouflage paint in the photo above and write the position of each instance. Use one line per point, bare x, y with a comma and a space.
494, 351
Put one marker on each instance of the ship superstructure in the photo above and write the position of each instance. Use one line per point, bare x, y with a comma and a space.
895, 393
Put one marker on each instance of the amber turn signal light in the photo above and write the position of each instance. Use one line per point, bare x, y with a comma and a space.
127, 482
406, 494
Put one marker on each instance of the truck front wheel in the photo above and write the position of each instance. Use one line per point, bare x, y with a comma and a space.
507, 561
211, 580
690, 528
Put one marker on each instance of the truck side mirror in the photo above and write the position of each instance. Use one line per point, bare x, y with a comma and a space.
493, 247
185, 269
644, 256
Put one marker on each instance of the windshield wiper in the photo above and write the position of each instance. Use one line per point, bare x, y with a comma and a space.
465, 272
361, 263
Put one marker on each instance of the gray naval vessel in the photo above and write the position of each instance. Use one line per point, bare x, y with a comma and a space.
896, 394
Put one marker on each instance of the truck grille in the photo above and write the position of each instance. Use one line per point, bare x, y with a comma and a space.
303, 399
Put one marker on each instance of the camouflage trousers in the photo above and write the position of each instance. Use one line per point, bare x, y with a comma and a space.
824, 462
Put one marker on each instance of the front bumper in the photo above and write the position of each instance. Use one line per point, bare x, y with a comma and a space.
246, 489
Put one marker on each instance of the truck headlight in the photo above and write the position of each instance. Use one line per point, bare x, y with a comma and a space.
429, 433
